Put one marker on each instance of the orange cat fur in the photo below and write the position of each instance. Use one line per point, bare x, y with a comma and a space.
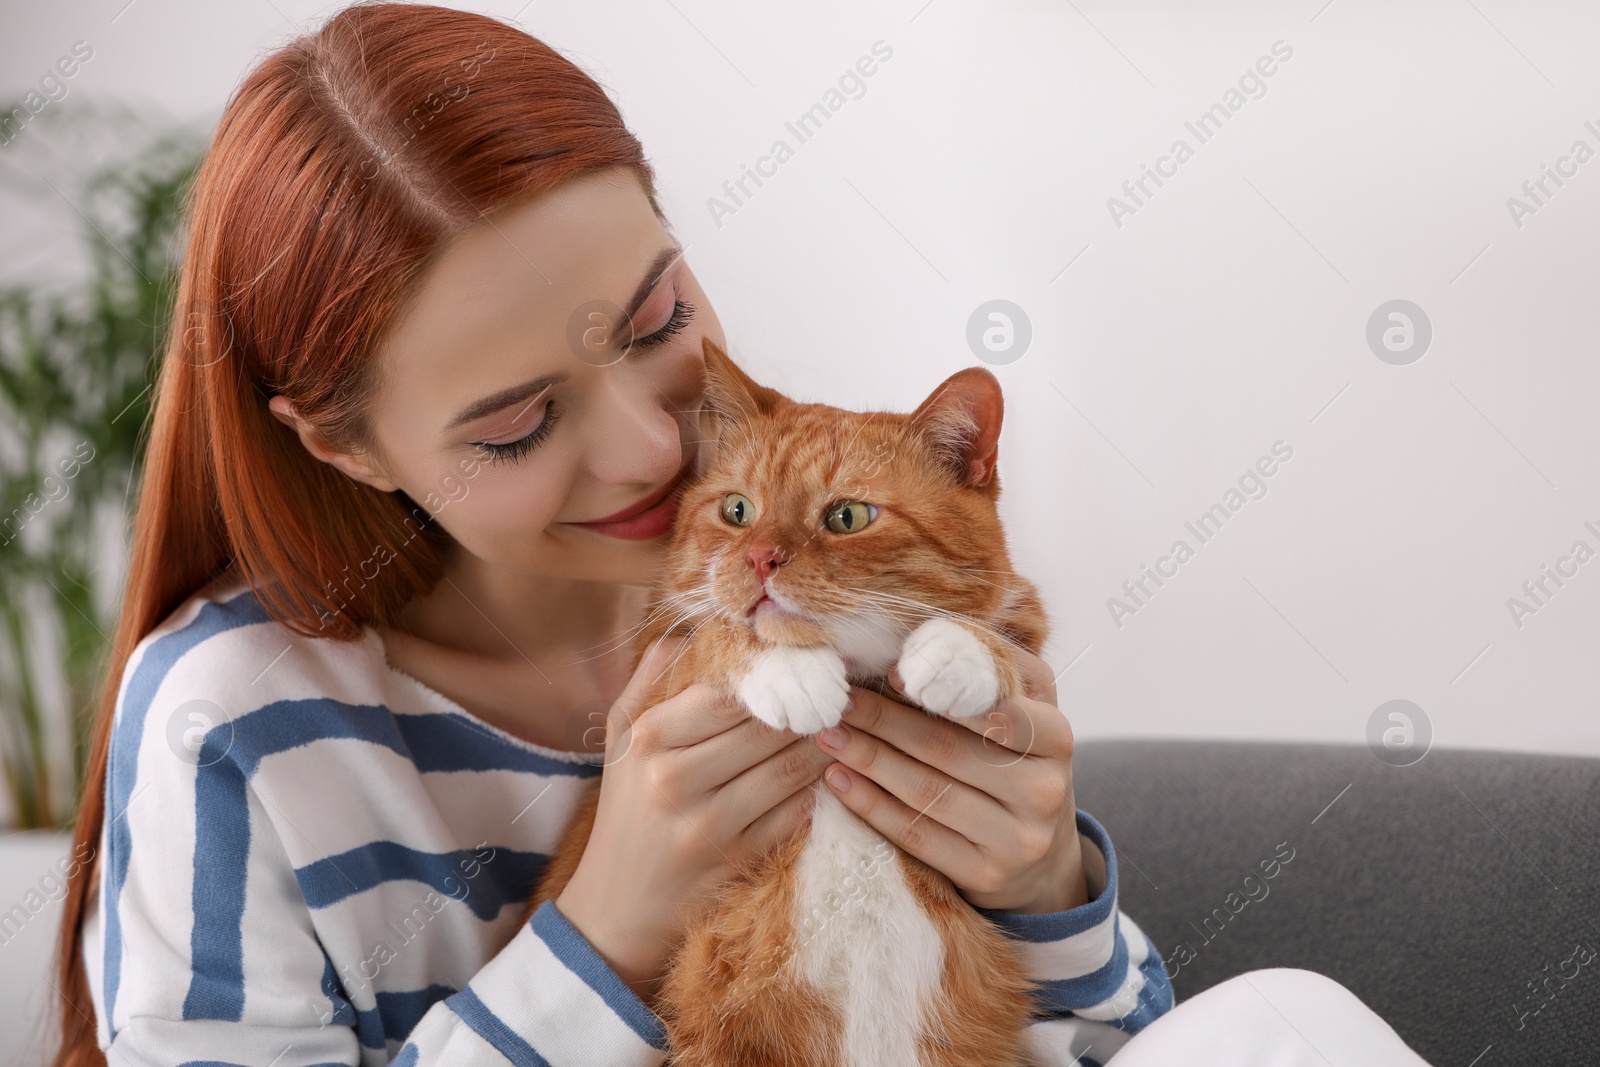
837, 948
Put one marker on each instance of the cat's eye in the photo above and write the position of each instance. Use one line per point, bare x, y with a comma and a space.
849, 516
737, 510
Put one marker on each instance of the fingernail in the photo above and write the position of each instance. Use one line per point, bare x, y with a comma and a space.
838, 778
834, 737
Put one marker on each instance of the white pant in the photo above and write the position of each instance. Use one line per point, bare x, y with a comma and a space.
1281, 1017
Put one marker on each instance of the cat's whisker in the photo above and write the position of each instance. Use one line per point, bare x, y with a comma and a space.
973, 571
874, 596
985, 581
697, 606
684, 648
679, 621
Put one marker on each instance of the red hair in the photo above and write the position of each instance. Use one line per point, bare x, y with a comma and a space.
342, 163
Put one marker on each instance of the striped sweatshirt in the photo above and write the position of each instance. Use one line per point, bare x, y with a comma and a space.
310, 857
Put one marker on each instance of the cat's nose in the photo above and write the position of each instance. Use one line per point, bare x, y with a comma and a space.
766, 559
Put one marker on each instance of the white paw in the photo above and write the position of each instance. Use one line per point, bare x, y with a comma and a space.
799, 689
947, 670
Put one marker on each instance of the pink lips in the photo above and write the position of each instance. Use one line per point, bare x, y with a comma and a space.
647, 518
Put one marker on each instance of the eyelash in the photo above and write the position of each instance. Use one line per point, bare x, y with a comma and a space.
511, 451
682, 313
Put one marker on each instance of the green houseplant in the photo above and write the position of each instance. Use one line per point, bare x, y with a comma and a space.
77, 366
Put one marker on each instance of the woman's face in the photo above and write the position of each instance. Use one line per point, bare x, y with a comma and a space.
511, 403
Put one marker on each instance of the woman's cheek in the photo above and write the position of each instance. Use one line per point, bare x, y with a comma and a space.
496, 515
455, 486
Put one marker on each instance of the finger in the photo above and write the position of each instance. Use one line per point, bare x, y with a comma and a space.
635, 696
967, 809
947, 744
655, 661
766, 784
918, 833
1039, 680
741, 747
781, 822
936, 741
700, 714
1029, 728
974, 751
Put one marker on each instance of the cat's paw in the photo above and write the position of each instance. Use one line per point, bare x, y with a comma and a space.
799, 689
947, 670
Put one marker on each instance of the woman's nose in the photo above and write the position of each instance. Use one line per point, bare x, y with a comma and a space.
634, 440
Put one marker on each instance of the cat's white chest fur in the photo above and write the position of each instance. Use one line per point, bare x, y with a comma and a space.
862, 936
869, 642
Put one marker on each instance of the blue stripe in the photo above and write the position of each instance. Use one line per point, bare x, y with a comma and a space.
369, 1029
341, 1011
439, 742
507, 877
396, 1015
122, 769
1067, 994
288, 724
407, 1057
221, 859
448, 742
476, 1014
579, 957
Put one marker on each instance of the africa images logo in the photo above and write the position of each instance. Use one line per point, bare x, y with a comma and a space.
199, 733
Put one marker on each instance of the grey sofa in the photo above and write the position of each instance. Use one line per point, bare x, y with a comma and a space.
1459, 897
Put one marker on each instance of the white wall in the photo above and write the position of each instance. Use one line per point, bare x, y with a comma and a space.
31, 891
1227, 313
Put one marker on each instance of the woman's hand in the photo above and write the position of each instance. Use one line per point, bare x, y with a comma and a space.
693, 788
987, 800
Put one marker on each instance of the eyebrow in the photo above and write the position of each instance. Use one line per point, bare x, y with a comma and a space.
664, 261
503, 399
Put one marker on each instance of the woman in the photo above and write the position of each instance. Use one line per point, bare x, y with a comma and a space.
411, 465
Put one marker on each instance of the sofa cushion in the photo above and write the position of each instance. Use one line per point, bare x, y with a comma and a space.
1459, 897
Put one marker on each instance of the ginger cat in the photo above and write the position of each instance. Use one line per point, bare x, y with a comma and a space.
817, 548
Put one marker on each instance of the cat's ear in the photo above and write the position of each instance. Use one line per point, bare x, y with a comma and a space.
961, 422
731, 395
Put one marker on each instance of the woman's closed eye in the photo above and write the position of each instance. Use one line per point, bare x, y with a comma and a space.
682, 315
511, 451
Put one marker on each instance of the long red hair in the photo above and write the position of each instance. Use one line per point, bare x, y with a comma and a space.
341, 164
